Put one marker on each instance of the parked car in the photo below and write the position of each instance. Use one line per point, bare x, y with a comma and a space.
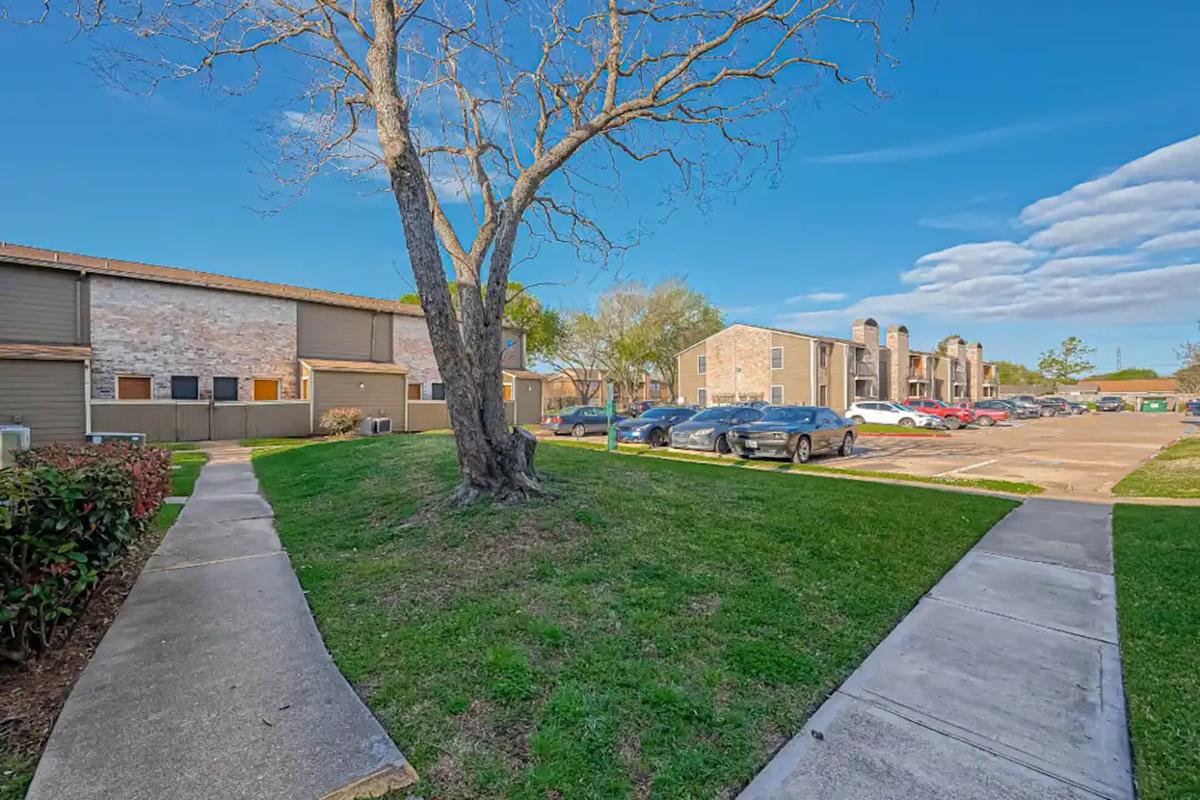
1110, 404
989, 412
708, 429
880, 412
1192, 408
1053, 405
953, 416
794, 432
579, 421
1027, 401
639, 407
1076, 408
1018, 410
653, 427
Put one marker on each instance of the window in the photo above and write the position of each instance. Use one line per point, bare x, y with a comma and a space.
225, 389
266, 389
185, 387
655, 387
437, 391
701, 397
822, 395
824, 354
508, 393
776, 395
133, 387
304, 388
414, 391
776, 358
701, 365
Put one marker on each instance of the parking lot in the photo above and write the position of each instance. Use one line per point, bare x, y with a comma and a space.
1079, 456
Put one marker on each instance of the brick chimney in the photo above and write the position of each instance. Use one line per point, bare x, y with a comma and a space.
897, 342
975, 370
865, 381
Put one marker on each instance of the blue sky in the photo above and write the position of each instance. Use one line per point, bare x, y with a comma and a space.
996, 107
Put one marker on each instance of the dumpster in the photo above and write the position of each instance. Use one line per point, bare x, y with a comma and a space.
1154, 404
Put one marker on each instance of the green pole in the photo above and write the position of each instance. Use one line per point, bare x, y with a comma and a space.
609, 406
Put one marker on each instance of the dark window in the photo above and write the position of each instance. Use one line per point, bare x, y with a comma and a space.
776, 358
701, 365
437, 391
225, 389
185, 387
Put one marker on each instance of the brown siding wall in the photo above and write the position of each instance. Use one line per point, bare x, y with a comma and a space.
334, 332
690, 381
46, 396
427, 415
837, 377
527, 396
190, 421
512, 356
39, 305
380, 395
381, 341
796, 375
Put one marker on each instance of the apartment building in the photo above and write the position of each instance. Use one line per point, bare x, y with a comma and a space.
91, 344
745, 363
563, 389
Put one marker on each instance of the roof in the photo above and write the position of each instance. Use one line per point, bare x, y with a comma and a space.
55, 259
333, 365
526, 374
1137, 385
45, 352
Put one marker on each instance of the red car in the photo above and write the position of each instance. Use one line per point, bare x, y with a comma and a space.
988, 412
953, 416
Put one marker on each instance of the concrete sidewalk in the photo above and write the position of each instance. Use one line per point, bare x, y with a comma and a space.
213, 681
1004, 682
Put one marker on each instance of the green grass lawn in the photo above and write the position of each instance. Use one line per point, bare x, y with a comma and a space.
166, 516
1175, 472
188, 464
274, 441
1157, 551
651, 628
16, 771
875, 427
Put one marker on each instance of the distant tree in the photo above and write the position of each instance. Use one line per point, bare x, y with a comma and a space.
523, 311
677, 318
1127, 374
944, 344
576, 354
625, 336
1189, 374
1015, 374
1068, 362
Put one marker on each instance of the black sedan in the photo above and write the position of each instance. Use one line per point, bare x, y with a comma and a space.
579, 421
794, 432
654, 425
1110, 404
1014, 409
707, 430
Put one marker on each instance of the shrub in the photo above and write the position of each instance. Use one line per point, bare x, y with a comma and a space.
340, 421
67, 515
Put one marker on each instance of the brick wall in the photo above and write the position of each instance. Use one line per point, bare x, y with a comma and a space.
741, 347
160, 330
411, 347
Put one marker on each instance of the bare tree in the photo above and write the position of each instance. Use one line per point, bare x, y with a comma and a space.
521, 111
576, 354
1189, 374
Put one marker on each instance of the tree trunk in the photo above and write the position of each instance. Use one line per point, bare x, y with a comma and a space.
493, 460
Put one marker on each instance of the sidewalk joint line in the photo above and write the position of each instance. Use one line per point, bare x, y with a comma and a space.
979, 549
192, 564
1043, 626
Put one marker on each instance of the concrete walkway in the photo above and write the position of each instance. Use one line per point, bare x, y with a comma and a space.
1003, 682
213, 681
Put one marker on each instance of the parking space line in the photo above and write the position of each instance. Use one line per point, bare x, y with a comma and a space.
966, 468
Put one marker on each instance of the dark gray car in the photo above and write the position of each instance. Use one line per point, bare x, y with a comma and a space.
794, 432
579, 420
707, 430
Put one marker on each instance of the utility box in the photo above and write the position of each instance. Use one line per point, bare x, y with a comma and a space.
1154, 404
12, 439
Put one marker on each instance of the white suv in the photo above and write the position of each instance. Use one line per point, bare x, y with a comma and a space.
884, 413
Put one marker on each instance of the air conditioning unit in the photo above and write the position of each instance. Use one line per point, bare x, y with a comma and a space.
101, 438
12, 438
374, 426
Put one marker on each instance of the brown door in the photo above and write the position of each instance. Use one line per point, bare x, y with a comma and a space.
414, 391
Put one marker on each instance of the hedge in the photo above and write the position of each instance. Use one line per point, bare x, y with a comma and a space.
68, 513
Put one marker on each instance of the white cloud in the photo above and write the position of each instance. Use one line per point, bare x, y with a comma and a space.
948, 145
1182, 240
969, 221
1101, 250
818, 297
